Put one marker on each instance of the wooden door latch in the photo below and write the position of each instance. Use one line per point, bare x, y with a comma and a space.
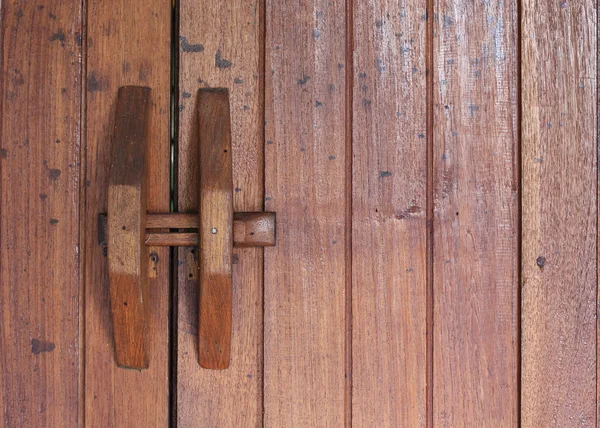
127, 229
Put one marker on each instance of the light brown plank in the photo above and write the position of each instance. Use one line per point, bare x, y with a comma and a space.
128, 43
40, 149
220, 46
559, 263
475, 230
389, 252
215, 196
127, 256
305, 167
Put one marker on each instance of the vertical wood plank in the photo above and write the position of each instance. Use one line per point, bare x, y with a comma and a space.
475, 362
559, 263
215, 227
305, 167
221, 46
128, 43
40, 150
126, 228
389, 259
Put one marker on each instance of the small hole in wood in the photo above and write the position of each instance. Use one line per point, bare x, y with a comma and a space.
124, 303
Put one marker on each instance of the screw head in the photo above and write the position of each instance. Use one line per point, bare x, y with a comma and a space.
213, 231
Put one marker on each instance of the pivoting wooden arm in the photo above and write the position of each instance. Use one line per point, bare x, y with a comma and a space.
127, 229
127, 255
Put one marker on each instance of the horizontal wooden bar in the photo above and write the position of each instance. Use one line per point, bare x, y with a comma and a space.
185, 239
256, 229
172, 221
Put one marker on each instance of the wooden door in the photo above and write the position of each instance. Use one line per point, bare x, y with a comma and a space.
433, 169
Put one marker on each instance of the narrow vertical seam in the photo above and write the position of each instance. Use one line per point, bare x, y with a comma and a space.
349, 88
173, 205
262, 66
519, 234
430, 207
82, 217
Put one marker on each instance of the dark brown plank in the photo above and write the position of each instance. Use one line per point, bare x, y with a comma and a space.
215, 198
127, 200
305, 168
475, 206
560, 232
221, 46
128, 43
389, 225
40, 149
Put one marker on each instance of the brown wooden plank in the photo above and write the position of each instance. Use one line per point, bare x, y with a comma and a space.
40, 147
475, 230
215, 215
221, 46
127, 200
559, 263
305, 184
128, 43
389, 251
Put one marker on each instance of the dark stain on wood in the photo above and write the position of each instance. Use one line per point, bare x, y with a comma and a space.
41, 346
221, 62
190, 47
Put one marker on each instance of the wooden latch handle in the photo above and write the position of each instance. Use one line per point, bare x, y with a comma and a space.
127, 255
128, 229
216, 231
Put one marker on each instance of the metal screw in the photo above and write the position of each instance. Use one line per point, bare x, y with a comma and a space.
214, 230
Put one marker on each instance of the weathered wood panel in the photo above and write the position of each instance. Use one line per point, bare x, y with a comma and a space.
389, 233
476, 223
560, 232
40, 149
220, 46
305, 168
128, 43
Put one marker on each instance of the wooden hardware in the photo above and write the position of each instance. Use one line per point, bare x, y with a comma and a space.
127, 258
250, 229
215, 228
127, 229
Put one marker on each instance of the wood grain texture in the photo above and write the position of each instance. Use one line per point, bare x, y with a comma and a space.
254, 229
475, 230
305, 169
249, 229
559, 263
221, 46
40, 148
215, 196
128, 43
389, 224
127, 257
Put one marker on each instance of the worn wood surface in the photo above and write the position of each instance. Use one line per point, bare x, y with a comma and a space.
305, 169
220, 45
127, 256
559, 263
215, 196
249, 230
475, 230
389, 224
40, 149
128, 43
